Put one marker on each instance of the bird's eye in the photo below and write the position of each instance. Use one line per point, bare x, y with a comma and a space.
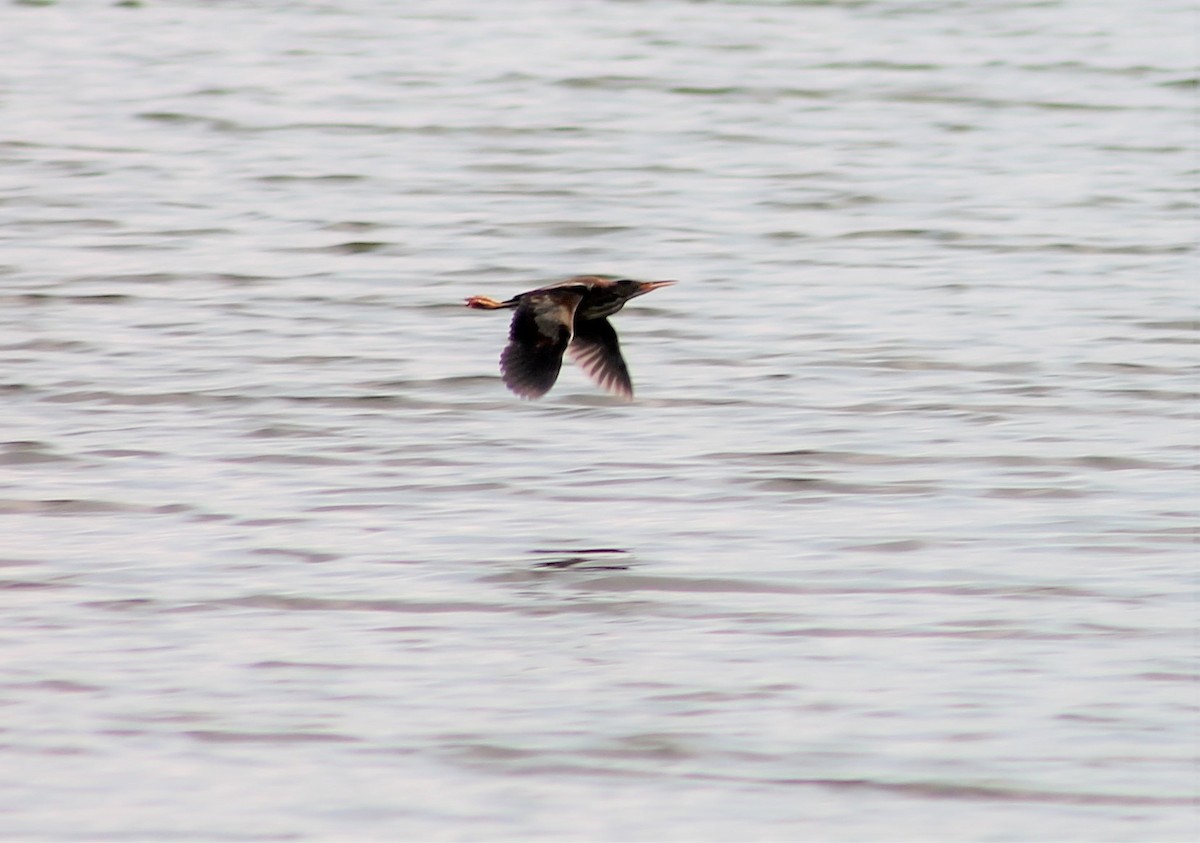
626, 282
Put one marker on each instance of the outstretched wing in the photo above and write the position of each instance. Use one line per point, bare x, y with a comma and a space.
595, 349
540, 331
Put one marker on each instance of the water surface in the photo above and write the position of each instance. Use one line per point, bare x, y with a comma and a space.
896, 543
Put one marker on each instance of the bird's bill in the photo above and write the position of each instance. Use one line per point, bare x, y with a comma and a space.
647, 286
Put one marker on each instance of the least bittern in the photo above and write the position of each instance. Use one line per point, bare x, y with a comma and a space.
570, 316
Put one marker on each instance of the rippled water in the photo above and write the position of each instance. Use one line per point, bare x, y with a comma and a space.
897, 542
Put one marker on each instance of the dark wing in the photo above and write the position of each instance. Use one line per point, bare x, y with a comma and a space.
595, 349
540, 331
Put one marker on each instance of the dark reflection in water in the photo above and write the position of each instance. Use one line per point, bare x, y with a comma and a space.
591, 559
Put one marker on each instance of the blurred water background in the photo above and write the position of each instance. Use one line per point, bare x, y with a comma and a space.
896, 543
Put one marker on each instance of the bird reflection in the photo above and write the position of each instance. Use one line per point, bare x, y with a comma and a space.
593, 559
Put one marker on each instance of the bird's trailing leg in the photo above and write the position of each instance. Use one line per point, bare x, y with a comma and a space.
485, 303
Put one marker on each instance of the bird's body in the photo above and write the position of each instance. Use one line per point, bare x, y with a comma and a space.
572, 317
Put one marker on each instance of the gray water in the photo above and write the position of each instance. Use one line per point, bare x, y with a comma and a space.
897, 541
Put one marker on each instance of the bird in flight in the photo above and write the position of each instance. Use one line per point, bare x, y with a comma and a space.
572, 317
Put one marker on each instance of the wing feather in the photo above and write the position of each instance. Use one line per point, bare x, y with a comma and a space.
540, 332
596, 350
